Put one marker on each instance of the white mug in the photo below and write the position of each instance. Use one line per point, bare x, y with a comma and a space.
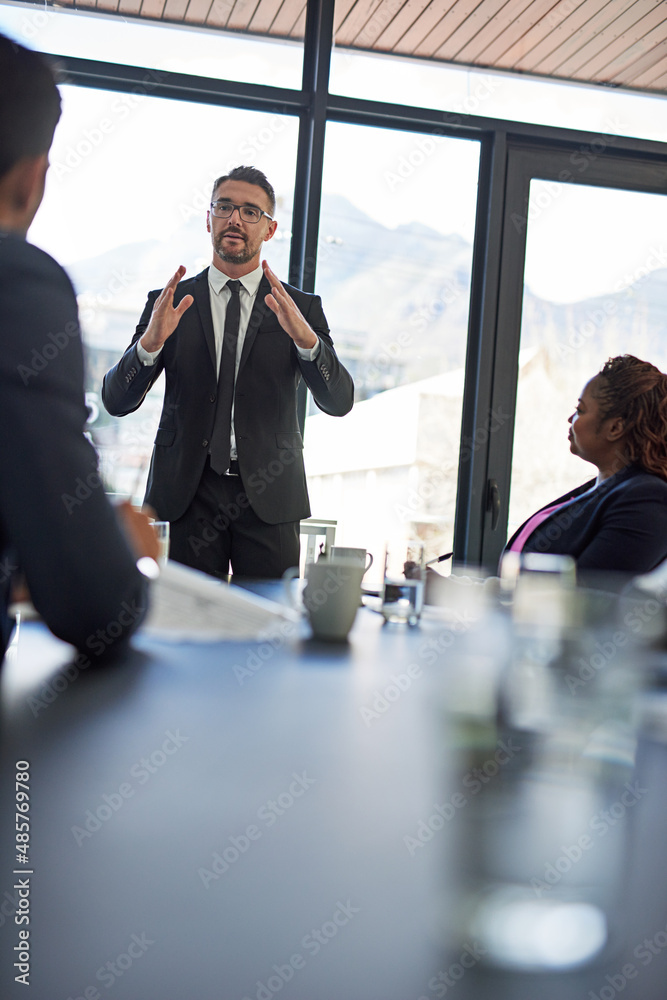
363, 556
332, 596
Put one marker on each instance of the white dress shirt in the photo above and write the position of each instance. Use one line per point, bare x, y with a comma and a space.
220, 296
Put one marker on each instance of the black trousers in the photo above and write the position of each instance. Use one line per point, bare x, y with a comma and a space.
220, 528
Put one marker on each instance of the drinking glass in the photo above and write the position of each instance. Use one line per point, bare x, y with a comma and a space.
403, 586
161, 529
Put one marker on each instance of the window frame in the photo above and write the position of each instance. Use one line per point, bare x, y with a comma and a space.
511, 153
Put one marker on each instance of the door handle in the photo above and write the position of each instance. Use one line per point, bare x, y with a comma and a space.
493, 502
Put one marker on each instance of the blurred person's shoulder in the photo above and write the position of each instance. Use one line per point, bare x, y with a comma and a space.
38, 314
29, 272
21, 262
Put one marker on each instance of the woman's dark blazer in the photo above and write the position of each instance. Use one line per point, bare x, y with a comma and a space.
621, 526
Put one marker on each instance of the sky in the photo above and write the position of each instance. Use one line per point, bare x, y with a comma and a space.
132, 167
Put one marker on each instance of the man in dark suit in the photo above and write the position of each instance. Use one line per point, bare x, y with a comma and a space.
234, 342
56, 526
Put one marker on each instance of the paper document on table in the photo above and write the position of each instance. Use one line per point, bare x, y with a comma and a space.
190, 606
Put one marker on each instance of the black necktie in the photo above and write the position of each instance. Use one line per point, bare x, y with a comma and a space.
222, 427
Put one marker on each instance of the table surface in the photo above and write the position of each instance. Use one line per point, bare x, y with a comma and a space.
227, 821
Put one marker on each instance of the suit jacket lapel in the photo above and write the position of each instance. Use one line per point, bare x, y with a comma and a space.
260, 311
202, 299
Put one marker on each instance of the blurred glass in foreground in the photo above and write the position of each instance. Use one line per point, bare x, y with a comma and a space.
542, 712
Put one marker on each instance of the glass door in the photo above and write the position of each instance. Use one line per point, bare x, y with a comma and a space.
583, 278
595, 285
394, 271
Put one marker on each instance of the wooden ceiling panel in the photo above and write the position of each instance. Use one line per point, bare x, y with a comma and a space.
625, 30
624, 53
651, 64
383, 15
425, 24
299, 28
477, 31
497, 40
656, 79
218, 15
174, 10
341, 10
150, 9
617, 42
587, 34
131, 7
458, 15
355, 21
400, 24
509, 18
558, 37
263, 17
241, 15
197, 11
540, 34
287, 16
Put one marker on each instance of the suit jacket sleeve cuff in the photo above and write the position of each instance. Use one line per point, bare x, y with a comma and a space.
306, 353
149, 357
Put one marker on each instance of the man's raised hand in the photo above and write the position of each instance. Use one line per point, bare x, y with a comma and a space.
165, 317
288, 313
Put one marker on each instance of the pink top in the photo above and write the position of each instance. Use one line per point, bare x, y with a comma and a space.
534, 522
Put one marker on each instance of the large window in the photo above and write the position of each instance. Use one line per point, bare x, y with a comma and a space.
394, 267
161, 47
125, 204
430, 200
581, 277
595, 286
459, 91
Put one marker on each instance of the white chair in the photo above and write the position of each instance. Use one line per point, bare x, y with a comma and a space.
315, 528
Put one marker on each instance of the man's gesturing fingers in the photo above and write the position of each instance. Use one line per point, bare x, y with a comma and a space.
165, 318
288, 313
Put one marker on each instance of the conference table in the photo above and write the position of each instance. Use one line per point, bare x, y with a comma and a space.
249, 820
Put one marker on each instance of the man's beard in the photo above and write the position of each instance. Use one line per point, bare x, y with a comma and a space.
242, 255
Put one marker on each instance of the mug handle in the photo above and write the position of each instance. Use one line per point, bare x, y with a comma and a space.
369, 563
291, 574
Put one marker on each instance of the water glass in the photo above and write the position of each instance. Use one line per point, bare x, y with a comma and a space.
161, 529
546, 775
403, 586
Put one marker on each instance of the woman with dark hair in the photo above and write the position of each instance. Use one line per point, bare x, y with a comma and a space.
617, 521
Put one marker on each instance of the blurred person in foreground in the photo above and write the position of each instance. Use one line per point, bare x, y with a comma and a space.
617, 522
79, 567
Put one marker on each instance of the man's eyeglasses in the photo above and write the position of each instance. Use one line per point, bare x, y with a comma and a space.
248, 213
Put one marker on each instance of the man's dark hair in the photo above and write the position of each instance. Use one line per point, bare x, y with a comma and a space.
251, 175
29, 104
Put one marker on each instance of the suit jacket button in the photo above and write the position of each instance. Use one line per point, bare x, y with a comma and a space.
204, 443
211, 398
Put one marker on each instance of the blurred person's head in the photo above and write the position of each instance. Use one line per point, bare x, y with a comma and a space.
621, 417
29, 113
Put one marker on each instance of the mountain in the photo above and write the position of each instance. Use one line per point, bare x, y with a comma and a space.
397, 299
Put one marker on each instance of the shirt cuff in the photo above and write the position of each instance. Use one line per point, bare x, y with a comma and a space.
307, 353
147, 357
